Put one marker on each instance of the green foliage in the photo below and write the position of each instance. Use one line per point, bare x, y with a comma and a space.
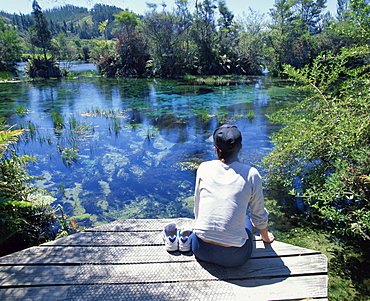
165, 35
126, 19
201, 40
14, 178
39, 67
64, 49
101, 50
10, 50
26, 218
104, 13
355, 21
58, 120
348, 261
130, 55
22, 225
18, 216
324, 144
21, 110
7, 138
294, 32
40, 35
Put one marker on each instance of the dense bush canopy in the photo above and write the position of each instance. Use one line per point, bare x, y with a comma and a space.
201, 39
322, 152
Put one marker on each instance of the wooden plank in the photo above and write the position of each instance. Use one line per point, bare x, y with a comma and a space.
313, 287
116, 239
126, 259
293, 288
165, 272
138, 225
122, 254
84, 255
109, 239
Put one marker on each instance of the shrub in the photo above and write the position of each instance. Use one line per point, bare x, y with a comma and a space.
26, 217
322, 152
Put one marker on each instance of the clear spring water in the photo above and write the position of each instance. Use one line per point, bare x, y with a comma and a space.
109, 149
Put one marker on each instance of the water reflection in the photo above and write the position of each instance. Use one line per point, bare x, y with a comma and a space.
129, 148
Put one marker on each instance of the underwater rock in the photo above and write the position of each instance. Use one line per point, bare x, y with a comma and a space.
137, 170
41, 199
47, 175
105, 186
71, 195
122, 174
188, 205
162, 144
193, 166
154, 160
111, 161
103, 204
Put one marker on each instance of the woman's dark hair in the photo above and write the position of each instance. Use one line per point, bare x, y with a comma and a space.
228, 157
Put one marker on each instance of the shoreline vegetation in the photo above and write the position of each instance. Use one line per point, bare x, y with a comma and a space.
347, 256
320, 158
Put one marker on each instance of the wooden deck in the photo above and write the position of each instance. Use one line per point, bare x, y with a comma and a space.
126, 260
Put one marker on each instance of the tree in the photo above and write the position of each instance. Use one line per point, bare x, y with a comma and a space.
63, 49
229, 38
40, 35
294, 29
103, 30
101, 13
127, 20
283, 34
252, 47
184, 21
10, 50
342, 7
356, 23
205, 36
165, 35
310, 14
324, 144
131, 52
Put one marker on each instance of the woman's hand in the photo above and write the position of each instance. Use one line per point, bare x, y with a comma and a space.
266, 236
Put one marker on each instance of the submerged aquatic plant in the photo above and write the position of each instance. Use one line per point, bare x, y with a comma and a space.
250, 115
110, 113
221, 116
134, 126
217, 80
58, 120
21, 110
116, 125
32, 129
151, 133
79, 127
69, 155
73, 123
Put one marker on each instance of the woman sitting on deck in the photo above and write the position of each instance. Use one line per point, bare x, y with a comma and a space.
224, 190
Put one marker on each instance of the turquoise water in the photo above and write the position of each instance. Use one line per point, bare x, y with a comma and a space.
109, 149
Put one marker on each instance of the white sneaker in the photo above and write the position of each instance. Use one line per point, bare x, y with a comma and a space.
170, 238
185, 237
